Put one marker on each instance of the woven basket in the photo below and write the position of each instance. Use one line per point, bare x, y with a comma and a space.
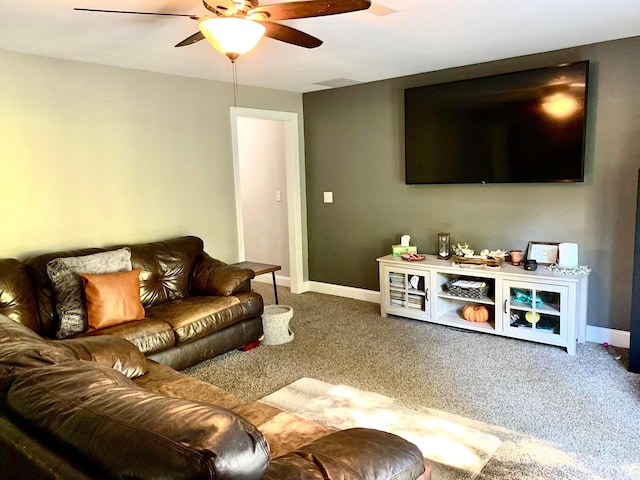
471, 292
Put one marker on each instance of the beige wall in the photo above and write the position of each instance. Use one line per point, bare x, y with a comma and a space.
355, 148
93, 155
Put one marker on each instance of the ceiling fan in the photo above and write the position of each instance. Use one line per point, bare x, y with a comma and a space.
237, 26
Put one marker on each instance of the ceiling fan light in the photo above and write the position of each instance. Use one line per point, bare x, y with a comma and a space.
231, 35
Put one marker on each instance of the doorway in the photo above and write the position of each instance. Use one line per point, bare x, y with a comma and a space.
278, 229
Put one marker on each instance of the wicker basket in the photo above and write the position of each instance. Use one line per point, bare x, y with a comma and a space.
467, 292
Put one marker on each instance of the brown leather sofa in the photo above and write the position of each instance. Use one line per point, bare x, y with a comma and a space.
196, 307
95, 408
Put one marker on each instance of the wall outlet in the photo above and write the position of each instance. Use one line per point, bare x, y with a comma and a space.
328, 197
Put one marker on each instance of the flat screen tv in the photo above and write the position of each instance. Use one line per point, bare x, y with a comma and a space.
521, 127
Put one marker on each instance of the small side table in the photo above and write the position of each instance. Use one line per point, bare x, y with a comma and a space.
261, 269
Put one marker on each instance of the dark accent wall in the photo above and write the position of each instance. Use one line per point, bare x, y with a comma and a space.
354, 139
634, 352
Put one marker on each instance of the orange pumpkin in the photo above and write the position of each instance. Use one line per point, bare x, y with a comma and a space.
475, 313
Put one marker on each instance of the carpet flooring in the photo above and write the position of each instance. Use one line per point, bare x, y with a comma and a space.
454, 450
558, 417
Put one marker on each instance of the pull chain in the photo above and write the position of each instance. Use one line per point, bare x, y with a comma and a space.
235, 85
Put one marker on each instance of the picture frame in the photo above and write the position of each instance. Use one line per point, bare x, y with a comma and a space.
544, 253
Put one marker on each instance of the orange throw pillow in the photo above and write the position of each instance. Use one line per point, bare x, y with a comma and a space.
112, 298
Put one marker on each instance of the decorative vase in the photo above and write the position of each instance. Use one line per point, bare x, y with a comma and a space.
516, 256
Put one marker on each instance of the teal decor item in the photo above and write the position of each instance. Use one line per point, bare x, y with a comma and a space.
525, 296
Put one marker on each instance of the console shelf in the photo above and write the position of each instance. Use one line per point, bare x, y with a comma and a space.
485, 301
538, 306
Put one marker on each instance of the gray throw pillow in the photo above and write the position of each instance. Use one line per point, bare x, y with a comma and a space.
65, 278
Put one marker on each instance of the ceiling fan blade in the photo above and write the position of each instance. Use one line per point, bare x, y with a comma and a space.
196, 37
290, 35
135, 13
221, 7
310, 8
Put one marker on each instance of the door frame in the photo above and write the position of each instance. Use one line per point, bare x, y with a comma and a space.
293, 185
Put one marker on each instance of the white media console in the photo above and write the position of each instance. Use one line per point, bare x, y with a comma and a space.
539, 305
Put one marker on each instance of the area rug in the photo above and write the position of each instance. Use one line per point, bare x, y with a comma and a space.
455, 451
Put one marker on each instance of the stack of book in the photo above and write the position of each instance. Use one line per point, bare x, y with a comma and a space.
415, 301
397, 298
396, 280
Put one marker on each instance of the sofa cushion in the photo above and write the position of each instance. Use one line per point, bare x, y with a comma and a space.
112, 298
284, 431
252, 303
132, 433
167, 381
166, 268
149, 336
45, 294
113, 352
65, 278
195, 317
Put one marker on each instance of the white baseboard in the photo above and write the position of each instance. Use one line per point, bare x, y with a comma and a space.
342, 291
280, 280
618, 338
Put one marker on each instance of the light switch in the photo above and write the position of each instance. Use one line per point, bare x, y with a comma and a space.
278, 196
328, 197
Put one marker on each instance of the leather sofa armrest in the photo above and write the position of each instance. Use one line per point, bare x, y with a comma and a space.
353, 454
128, 432
22, 347
17, 294
111, 351
214, 277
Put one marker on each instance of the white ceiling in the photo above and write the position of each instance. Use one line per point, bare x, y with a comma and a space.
422, 36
